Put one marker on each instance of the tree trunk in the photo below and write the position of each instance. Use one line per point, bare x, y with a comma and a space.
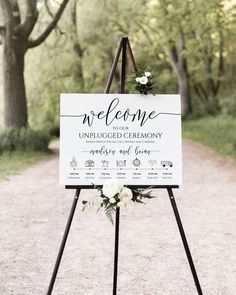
16, 40
180, 67
78, 74
15, 107
183, 84
184, 91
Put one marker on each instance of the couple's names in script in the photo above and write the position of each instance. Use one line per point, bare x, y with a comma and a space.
108, 151
113, 114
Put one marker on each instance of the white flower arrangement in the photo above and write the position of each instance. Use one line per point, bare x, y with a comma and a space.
143, 82
114, 194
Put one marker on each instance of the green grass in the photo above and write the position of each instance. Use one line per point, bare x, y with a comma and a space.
15, 162
218, 133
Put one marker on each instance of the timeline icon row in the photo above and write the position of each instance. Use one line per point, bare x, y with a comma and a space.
118, 163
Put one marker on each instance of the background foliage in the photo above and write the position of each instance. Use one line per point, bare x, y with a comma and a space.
77, 56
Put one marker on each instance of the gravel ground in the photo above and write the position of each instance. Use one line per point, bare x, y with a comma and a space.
33, 214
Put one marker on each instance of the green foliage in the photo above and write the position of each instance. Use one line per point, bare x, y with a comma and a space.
212, 107
54, 132
148, 87
79, 60
77, 56
109, 212
228, 105
23, 139
111, 204
216, 132
140, 194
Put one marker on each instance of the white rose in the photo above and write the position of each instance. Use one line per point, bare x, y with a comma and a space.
111, 187
147, 74
137, 79
125, 195
143, 80
121, 204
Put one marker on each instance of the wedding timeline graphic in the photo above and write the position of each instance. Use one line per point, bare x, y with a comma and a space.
132, 137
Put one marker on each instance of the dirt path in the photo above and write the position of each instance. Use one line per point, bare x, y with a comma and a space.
33, 213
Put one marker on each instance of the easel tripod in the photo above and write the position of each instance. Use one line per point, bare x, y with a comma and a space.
124, 48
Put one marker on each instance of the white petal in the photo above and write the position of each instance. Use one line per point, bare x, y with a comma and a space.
111, 187
143, 80
121, 204
147, 74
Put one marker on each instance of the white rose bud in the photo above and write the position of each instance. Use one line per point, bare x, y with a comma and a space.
125, 195
143, 80
111, 187
112, 200
147, 74
137, 79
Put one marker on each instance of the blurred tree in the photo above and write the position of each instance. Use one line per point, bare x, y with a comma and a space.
206, 47
112, 20
170, 26
16, 41
187, 44
77, 47
192, 34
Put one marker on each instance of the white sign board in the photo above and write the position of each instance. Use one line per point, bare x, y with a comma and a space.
134, 138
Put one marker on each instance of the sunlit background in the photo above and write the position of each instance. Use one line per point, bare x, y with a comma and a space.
188, 45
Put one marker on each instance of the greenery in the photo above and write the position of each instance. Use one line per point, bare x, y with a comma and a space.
143, 82
15, 162
186, 42
189, 45
118, 198
23, 139
216, 132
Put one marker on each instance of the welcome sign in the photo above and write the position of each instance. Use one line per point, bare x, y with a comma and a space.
134, 138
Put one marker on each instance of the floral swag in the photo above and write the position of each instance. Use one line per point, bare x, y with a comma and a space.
113, 194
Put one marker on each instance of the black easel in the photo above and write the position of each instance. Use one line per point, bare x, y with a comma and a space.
124, 47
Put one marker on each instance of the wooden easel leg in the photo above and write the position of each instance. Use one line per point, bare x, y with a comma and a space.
116, 252
63, 242
185, 243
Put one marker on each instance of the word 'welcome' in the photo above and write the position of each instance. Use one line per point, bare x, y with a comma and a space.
113, 113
